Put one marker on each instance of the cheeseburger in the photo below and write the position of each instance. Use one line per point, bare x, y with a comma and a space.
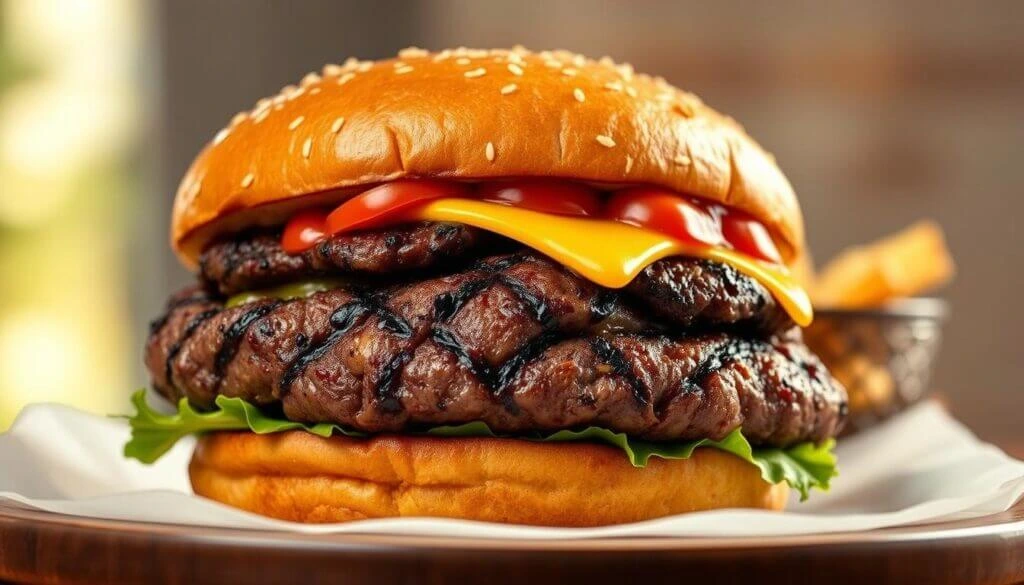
494, 285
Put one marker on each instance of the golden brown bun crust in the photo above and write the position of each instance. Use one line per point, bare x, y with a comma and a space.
301, 477
434, 114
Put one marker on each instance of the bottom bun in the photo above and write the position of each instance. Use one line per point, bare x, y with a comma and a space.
302, 477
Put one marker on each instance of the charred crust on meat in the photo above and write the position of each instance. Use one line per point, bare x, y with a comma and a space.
610, 355
343, 319
385, 391
233, 336
603, 304
186, 334
529, 352
447, 305
534, 303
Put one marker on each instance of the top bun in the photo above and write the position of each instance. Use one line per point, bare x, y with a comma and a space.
473, 114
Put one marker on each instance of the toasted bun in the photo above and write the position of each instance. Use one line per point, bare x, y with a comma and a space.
301, 477
473, 114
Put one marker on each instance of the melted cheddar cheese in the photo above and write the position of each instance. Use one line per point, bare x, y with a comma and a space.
609, 253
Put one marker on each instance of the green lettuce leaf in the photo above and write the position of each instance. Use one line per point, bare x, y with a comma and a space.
803, 467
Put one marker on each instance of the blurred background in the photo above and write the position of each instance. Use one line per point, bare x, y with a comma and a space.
879, 112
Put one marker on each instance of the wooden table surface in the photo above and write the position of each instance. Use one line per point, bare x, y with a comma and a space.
39, 547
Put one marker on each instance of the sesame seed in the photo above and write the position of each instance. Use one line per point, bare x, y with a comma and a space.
682, 160
477, 53
489, 151
578, 94
478, 72
332, 69
445, 54
314, 91
351, 63
553, 63
629, 164
579, 60
309, 79
220, 136
462, 61
261, 116
278, 106
247, 180
411, 52
569, 71
239, 118
336, 126
631, 91
515, 69
508, 89
613, 85
345, 78
605, 140
364, 66
296, 123
288, 91
297, 93
403, 70
307, 147
516, 58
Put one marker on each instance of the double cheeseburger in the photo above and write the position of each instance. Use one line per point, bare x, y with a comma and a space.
489, 284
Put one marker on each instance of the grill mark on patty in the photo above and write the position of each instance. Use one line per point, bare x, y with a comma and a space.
343, 319
603, 304
731, 350
186, 334
508, 370
609, 354
387, 380
497, 381
389, 321
534, 303
448, 304
233, 336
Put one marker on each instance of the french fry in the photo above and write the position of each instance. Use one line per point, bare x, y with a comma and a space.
910, 262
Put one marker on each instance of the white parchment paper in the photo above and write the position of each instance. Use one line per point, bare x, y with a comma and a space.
921, 467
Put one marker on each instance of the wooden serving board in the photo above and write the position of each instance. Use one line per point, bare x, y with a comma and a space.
37, 547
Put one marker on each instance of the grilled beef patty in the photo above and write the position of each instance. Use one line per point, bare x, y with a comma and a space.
516, 341
256, 260
687, 292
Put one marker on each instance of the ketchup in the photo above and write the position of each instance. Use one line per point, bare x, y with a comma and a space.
661, 210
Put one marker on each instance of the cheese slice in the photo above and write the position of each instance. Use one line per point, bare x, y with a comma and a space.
609, 253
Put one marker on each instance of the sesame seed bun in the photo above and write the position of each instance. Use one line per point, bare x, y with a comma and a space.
301, 477
468, 115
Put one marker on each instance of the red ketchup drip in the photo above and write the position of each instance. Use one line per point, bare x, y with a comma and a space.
661, 210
